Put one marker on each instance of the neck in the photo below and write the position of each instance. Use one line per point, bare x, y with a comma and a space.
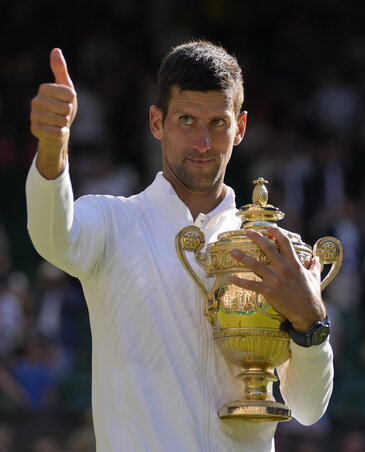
198, 201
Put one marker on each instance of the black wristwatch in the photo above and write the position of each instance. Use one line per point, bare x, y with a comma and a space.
316, 334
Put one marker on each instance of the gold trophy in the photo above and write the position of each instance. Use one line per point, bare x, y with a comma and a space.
249, 332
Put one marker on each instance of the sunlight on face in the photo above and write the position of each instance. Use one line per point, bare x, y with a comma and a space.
199, 132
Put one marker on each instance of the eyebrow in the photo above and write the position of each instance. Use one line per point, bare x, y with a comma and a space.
225, 114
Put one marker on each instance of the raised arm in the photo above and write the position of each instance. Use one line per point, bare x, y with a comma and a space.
52, 113
60, 231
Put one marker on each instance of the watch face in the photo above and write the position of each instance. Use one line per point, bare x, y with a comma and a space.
321, 335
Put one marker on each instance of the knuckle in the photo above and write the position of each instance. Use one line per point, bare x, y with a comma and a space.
64, 109
59, 133
285, 273
61, 120
36, 117
69, 94
34, 128
69, 109
35, 103
43, 87
63, 132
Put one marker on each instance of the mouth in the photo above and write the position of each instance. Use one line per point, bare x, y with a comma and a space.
200, 162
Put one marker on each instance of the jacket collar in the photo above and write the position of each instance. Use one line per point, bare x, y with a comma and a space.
162, 194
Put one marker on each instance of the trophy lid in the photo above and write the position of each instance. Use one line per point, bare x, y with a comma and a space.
258, 216
259, 210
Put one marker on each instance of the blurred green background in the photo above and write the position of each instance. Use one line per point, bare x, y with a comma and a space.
304, 67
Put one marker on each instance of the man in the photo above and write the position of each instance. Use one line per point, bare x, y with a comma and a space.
158, 378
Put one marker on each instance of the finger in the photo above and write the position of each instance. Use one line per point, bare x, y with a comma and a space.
59, 68
316, 267
53, 105
49, 118
283, 241
266, 245
248, 284
57, 91
260, 269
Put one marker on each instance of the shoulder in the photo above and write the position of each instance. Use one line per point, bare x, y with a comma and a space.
130, 207
110, 206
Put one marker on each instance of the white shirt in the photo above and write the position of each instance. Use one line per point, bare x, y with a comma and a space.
158, 378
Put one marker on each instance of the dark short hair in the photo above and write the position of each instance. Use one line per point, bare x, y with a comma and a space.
199, 66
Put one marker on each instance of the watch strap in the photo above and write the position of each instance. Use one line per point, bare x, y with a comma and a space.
315, 335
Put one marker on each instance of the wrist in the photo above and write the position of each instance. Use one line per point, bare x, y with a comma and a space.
51, 163
301, 325
316, 334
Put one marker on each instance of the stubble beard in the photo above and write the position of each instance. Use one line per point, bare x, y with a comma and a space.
195, 181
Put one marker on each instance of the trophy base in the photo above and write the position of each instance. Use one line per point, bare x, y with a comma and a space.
256, 411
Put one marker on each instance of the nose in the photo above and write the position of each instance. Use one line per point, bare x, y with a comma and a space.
201, 140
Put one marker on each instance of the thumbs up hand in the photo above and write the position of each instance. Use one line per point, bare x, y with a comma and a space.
52, 113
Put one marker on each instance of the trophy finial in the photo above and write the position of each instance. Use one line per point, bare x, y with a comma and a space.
259, 210
260, 194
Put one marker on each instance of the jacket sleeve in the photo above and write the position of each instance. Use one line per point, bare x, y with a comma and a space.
306, 381
70, 236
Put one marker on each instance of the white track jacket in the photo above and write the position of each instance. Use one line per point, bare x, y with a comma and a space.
158, 378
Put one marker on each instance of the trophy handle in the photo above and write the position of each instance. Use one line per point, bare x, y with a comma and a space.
191, 238
330, 251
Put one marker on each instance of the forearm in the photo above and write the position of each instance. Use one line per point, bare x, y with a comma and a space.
306, 381
50, 214
60, 229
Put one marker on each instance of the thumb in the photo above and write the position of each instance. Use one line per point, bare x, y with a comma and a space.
316, 264
59, 68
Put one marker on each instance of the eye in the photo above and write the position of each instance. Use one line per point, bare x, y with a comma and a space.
218, 122
186, 120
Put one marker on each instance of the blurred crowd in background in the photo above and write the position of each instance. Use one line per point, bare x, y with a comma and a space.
304, 71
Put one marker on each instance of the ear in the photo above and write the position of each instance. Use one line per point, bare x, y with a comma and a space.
156, 122
241, 128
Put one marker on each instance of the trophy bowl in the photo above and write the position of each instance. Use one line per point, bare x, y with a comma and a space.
248, 331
